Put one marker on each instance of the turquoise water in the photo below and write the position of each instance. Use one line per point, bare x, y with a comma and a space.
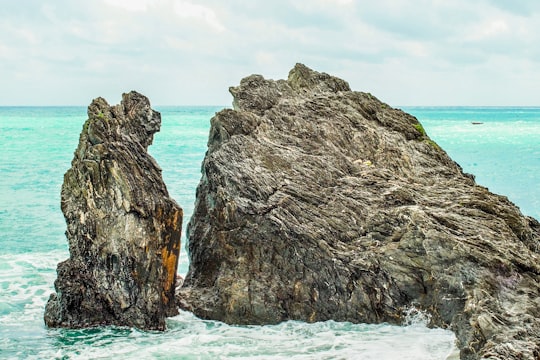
36, 149
503, 152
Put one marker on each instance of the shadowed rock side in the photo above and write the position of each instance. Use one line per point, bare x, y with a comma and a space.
123, 228
317, 203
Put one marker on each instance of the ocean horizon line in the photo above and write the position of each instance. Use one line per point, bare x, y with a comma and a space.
229, 106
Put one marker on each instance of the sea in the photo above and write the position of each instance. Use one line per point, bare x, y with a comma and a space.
499, 145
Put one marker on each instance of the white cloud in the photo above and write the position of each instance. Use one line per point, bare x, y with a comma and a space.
415, 48
131, 5
329, 2
489, 29
190, 51
186, 9
266, 59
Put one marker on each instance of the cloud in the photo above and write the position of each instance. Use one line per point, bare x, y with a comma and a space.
186, 9
525, 8
189, 52
491, 28
131, 5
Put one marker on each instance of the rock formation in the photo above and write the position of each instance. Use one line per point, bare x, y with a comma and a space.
317, 202
123, 228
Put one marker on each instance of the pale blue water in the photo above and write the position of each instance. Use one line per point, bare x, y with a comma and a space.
36, 148
503, 152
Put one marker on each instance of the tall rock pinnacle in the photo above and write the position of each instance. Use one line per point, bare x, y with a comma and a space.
317, 202
123, 228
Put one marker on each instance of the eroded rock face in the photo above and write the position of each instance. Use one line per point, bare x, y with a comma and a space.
123, 228
317, 202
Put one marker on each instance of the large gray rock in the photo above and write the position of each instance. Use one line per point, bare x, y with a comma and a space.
123, 228
318, 203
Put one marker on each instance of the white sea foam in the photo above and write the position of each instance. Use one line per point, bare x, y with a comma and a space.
27, 279
192, 338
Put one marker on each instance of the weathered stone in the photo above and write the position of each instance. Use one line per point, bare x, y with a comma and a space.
318, 203
123, 228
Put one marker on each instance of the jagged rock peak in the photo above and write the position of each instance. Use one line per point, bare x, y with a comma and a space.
302, 77
123, 229
255, 93
318, 203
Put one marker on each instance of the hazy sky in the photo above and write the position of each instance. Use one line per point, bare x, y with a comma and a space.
405, 52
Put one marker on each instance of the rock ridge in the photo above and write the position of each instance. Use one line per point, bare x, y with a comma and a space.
317, 202
123, 228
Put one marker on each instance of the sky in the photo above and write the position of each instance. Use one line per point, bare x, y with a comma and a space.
176, 52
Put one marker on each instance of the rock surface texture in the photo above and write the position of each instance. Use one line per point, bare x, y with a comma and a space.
317, 202
123, 228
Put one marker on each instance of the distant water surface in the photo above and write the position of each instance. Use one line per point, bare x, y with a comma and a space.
36, 148
500, 145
